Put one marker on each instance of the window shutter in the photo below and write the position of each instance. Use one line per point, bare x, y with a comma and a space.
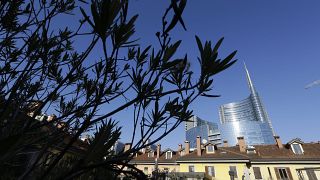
206, 169
311, 174
277, 173
257, 173
289, 173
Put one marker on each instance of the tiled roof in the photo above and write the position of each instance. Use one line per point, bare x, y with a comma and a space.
143, 158
272, 152
296, 140
263, 153
229, 153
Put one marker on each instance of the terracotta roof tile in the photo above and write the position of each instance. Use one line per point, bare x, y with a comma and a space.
162, 159
263, 153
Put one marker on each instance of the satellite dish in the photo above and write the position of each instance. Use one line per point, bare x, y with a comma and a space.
204, 141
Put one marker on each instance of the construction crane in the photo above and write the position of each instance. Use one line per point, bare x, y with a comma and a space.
314, 83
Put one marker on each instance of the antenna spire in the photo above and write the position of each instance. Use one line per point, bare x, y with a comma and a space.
250, 84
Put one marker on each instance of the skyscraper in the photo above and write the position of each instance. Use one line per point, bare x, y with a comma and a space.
208, 131
247, 118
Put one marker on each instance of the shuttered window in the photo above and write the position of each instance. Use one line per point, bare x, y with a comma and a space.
311, 174
283, 173
257, 173
145, 170
233, 171
210, 171
191, 168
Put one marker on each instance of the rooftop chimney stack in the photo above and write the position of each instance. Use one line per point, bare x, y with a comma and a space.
180, 148
158, 150
198, 146
242, 144
187, 147
225, 143
278, 141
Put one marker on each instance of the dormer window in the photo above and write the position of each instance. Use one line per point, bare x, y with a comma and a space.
297, 148
150, 154
210, 149
182, 153
251, 150
168, 155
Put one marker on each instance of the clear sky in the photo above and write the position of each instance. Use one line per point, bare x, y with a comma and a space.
278, 40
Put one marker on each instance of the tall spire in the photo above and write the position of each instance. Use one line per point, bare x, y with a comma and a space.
250, 84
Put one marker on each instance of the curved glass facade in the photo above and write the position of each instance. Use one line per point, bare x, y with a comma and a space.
247, 118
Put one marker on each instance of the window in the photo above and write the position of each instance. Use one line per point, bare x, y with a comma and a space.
166, 170
297, 148
181, 153
300, 175
150, 154
233, 171
168, 155
191, 168
311, 174
145, 170
283, 173
251, 151
257, 173
210, 148
210, 171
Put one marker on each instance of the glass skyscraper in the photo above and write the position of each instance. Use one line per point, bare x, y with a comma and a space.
247, 118
208, 131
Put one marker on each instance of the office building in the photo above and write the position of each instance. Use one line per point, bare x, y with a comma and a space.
247, 118
207, 130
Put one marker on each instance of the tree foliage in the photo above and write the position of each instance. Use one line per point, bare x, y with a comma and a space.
41, 63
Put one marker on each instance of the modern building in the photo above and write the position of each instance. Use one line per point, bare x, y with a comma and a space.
207, 130
247, 118
294, 160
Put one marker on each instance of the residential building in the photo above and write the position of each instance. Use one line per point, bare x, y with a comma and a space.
160, 161
247, 118
199, 127
294, 160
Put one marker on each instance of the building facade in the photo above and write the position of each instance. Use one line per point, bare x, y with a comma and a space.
207, 130
247, 118
294, 160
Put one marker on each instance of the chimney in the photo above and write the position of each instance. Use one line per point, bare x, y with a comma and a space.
242, 144
278, 142
225, 143
158, 150
180, 148
187, 147
198, 146
127, 146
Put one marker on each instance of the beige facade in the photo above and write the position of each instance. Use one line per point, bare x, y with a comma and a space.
292, 161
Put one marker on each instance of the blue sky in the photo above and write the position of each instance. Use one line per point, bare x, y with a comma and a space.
278, 40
